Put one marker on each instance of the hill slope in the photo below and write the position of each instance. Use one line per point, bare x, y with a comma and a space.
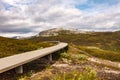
105, 40
106, 44
10, 47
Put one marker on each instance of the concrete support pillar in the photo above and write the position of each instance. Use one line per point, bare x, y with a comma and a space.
19, 70
50, 57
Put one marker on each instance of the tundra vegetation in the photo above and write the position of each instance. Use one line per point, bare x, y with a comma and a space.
87, 74
104, 45
10, 47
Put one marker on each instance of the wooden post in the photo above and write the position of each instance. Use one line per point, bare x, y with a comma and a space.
19, 70
50, 57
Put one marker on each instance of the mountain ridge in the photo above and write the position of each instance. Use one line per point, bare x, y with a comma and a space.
57, 31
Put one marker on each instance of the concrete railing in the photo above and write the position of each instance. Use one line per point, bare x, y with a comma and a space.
16, 61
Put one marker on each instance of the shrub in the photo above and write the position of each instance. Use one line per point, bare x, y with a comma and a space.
81, 57
88, 74
66, 55
10, 47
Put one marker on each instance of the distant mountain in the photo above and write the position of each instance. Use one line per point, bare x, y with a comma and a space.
58, 31
105, 40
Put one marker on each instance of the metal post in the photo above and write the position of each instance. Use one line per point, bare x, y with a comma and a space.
19, 70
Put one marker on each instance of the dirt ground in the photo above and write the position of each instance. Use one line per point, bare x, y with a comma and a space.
42, 69
103, 72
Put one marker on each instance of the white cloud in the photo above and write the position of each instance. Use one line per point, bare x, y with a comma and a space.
17, 34
32, 16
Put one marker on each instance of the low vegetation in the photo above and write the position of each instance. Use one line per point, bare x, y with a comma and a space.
104, 45
87, 74
66, 55
10, 47
105, 54
108, 42
73, 55
104, 40
81, 57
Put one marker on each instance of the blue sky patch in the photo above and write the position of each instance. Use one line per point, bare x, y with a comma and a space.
93, 3
6, 6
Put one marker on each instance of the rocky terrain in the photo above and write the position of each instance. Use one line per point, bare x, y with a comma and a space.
57, 31
64, 65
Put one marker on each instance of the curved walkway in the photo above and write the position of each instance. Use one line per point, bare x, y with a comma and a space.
14, 61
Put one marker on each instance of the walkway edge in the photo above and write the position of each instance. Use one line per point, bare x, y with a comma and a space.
14, 61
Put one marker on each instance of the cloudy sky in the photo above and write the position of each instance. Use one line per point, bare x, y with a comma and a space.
29, 17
